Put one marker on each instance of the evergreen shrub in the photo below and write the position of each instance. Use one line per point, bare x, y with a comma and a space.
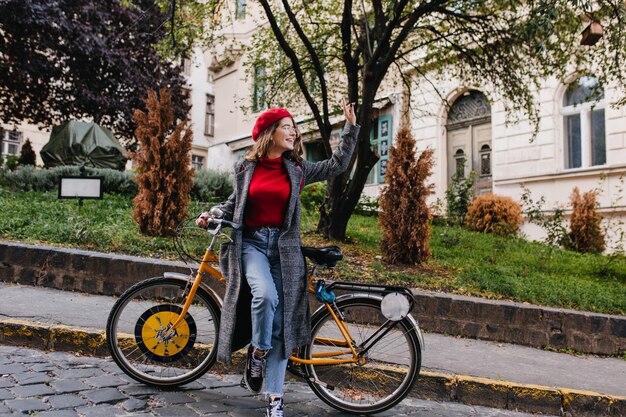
164, 175
405, 215
495, 214
586, 233
27, 154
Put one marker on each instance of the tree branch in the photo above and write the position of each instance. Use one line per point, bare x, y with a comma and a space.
350, 61
295, 63
314, 58
422, 10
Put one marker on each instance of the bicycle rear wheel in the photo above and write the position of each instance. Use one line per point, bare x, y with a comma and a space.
138, 337
387, 370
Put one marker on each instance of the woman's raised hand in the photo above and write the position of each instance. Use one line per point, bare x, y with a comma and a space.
348, 111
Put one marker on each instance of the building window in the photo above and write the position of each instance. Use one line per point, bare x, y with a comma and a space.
186, 66
459, 159
485, 160
240, 9
14, 135
584, 123
186, 93
315, 151
11, 141
209, 118
380, 140
472, 108
197, 162
258, 95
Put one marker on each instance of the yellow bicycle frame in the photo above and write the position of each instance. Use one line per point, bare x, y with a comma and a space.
323, 358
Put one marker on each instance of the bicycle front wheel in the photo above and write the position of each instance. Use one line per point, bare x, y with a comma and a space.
389, 363
142, 343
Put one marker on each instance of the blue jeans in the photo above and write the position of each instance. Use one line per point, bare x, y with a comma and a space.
261, 267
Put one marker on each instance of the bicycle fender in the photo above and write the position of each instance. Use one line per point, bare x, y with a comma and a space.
418, 331
189, 278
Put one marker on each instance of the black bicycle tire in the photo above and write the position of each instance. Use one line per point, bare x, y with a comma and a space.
405, 387
214, 310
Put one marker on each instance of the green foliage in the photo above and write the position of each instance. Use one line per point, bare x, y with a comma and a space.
458, 197
27, 154
104, 225
367, 206
210, 185
29, 178
10, 162
492, 266
552, 223
313, 195
71, 60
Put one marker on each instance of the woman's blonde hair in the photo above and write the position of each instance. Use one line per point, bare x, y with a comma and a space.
263, 144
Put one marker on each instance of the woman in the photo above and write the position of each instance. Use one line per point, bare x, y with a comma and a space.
266, 300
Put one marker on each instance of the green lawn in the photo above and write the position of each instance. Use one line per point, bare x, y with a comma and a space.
463, 262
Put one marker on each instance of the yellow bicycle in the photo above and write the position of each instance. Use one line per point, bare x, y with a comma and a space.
365, 350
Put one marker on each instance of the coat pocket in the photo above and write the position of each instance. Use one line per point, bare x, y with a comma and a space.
225, 249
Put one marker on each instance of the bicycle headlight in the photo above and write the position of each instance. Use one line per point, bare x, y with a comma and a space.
394, 306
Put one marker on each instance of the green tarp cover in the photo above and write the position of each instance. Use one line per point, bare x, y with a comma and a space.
78, 143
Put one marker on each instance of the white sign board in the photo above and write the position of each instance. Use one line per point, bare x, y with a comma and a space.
80, 187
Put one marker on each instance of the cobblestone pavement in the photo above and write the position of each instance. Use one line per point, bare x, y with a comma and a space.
56, 384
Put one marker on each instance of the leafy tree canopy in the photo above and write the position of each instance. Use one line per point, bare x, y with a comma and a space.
314, 52
64, 59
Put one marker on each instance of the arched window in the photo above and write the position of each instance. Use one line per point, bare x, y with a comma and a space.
459, 159
471, 108
485, 160
583, 122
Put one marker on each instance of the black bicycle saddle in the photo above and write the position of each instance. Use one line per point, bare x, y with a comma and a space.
328, 255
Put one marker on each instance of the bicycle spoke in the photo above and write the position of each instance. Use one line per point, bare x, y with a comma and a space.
141, 344
387, 369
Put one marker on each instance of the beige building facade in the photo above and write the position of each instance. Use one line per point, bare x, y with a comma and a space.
581, 141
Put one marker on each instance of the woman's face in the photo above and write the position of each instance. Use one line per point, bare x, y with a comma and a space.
284, 137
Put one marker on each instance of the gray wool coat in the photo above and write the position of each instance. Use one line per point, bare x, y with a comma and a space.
235, 327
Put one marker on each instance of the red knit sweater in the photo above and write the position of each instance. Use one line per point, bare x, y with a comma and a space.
268, 194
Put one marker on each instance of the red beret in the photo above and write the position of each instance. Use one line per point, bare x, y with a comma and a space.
266, 119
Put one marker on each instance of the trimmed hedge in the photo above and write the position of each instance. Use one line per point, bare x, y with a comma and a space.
29, 178
208, 185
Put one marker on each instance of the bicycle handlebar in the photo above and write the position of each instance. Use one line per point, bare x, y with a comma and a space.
224, 222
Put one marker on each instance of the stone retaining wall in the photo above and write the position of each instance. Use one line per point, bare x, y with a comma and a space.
505, 321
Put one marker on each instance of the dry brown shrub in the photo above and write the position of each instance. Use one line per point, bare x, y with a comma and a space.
495, 214
164, 174
405, 216
586, 233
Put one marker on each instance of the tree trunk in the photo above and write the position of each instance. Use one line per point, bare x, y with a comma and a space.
344, 192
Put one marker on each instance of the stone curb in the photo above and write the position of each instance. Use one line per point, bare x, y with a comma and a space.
430, 386
472, 317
